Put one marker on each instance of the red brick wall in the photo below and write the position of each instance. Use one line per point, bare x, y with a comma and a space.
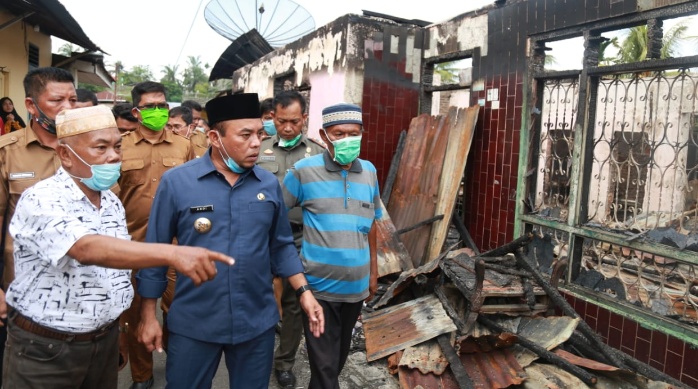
665, 353
491, 172
387, 110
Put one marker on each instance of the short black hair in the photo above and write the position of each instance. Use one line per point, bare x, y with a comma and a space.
288, 97
146, 87
35, 81
183, 112
266, 106
85, 95
123, 111
193, 105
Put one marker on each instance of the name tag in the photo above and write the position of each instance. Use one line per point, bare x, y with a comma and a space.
201, 208
21, 175
270, 158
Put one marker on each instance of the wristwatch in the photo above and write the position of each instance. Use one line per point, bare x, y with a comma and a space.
302, 290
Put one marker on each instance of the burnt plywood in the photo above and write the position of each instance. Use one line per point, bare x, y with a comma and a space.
416, 188
426, 357
392, 254
460, 138
405, 279
395, 328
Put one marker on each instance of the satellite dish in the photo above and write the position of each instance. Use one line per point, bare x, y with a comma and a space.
278, 21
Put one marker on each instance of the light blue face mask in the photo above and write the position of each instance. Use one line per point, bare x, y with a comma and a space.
229, 162
269, 127
104, 176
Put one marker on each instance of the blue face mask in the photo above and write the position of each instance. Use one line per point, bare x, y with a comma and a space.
104, 176
269, 127
229, 162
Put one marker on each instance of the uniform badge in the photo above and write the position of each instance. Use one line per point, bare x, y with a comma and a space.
202, 225
268, 151
307, 155
307, 150
261, 196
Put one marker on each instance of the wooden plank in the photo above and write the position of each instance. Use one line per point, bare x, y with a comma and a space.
397, 327
460, 138
391, 253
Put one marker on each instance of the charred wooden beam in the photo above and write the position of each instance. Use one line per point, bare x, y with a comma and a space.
462, 378
450, 310
505, 270
510, 247
543, 353
561, 303
634, 365
420, 224
394, 164
464, 234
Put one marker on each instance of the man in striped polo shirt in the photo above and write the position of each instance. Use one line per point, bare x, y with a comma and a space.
339, 196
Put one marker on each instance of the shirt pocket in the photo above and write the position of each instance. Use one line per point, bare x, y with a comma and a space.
365, 212
269, 166
172, 161
132, 172
17, 187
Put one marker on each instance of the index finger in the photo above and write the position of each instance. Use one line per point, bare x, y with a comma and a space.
220, 257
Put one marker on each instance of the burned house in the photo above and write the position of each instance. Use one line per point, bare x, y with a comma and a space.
602, 158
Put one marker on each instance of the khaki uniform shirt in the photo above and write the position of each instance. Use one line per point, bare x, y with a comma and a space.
278, 160
24, 161
142, 166
199, 142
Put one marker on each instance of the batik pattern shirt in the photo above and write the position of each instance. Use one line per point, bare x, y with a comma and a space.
50, 287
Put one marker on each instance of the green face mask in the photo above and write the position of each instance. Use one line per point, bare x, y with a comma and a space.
154, 118
347, 149
289, 143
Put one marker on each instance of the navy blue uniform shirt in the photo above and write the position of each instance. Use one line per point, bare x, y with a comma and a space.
248, 222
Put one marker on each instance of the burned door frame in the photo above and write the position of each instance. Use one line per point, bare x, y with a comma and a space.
570, 217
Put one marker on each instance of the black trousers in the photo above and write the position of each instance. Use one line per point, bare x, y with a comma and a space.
328, 353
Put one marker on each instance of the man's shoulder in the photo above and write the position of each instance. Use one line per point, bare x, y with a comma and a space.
12, 138
313, 160
317, 144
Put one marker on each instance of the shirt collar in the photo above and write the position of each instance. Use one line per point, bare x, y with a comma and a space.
303, 140
165, 136
76, 193
333, 166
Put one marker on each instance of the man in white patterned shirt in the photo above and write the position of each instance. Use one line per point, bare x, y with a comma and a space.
72, 254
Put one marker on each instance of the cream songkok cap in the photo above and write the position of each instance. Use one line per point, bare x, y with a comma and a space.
80, 120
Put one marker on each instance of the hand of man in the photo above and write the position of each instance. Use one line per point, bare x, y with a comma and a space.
150, 334
372, 288
198, 263
313, 309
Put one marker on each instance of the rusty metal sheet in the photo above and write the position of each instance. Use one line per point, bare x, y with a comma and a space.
426, 357
415, 191
395, 328
392, 254
494, 369
460, 138
483, 344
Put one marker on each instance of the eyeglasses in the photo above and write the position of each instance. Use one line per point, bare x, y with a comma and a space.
152, 106
176, 127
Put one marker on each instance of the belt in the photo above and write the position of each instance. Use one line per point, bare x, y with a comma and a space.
35, 328
296, 228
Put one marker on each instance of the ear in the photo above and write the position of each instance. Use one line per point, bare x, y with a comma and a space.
29, 104
214, 140
64, 155
323, 136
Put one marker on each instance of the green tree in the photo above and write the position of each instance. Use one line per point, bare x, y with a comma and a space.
604, 58
173, 87
634, 46
138, 73
447, 72
68, 49
194, 74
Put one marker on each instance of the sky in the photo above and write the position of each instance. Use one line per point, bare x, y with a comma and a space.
155, 32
